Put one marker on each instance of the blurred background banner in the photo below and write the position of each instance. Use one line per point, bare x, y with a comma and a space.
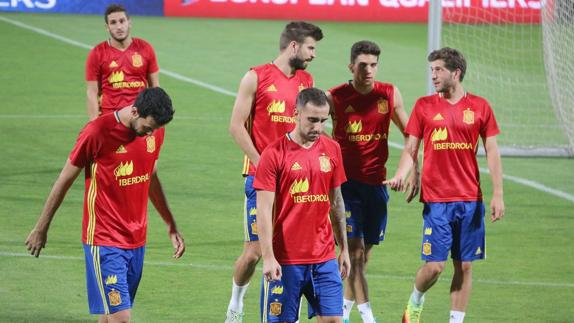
349, 10
134, 7
493, 11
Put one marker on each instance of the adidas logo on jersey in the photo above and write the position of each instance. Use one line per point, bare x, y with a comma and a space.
349, 109
478, 251
296, 166
438, 117
113, 64
272, 88
121, 150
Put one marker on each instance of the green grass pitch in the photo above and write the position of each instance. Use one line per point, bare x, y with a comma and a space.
526, 278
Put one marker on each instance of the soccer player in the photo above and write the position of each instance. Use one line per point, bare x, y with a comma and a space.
263, 111
118, 68
362, 110
450, 123
119, 153
298, 183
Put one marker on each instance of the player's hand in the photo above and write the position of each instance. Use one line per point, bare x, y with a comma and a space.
178, 243
271, 269
413, 186
344, 264
396, 184
36, 241
496, 208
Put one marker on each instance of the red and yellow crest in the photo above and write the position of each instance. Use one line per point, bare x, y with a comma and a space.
137, 60
383, 106
150, 142
325, 163
275, 308
468, 116
115, 298
301, 87
427, 248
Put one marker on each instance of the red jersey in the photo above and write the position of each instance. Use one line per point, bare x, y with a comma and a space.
361, 126
274, 106
301, 179
121, 75
450, 134
118, 167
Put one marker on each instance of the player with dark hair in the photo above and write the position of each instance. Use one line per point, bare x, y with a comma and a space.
300, 211
263, 111
450, 122
362, 111
120, 67
119, 153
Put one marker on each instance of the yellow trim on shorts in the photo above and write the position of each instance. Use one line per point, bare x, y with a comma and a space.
265, 300
92, 192
98, 274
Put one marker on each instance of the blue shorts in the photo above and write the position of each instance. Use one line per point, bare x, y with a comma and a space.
366, 210
457, 227
112, 277
320, 283
250, 211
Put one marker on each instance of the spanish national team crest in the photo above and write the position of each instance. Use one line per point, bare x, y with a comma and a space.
111, 279
150, 142
277, 290
383, 106
137, 60
427, 248
115, 298
325, 163
301, 87
468, 116
275, 308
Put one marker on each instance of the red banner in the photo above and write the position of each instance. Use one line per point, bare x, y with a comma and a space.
467, 11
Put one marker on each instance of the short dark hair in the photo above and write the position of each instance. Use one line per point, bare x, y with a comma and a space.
364, 47
156, 103
298, 31
453, 59
311, 95
114, 7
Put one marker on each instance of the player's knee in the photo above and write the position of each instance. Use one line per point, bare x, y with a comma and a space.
435, 268
120, 317
251, 254
357, 256
464, 267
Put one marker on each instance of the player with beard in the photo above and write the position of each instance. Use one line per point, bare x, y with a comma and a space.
120, 67
301, 214
119, 153
263, 111
450, 122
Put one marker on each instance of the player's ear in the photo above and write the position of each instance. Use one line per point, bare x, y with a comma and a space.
293, 45
457, 73
351, 67
134, 112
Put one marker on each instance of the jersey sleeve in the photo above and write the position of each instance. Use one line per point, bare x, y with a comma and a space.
160, 138
311, 81
489, 126
339, 176
267, 171
86, 147
153, 65
414, 125
93, 72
